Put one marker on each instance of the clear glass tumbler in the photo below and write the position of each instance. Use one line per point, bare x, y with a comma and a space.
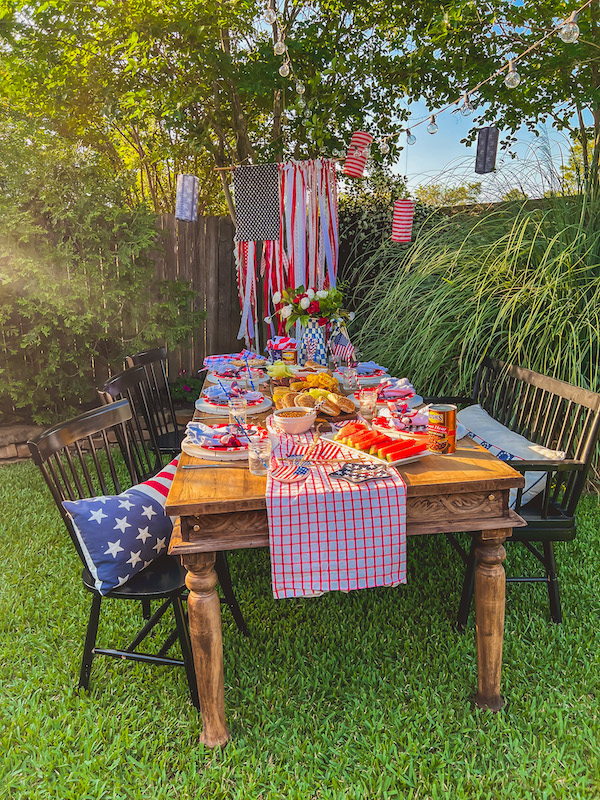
238, 410
368, 402
252, 379
259, 455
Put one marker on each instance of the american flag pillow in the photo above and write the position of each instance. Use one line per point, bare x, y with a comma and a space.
120, 535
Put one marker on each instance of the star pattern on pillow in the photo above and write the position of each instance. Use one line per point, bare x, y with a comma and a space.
123, 534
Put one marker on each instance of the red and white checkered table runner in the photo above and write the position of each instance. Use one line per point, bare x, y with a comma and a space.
327, 534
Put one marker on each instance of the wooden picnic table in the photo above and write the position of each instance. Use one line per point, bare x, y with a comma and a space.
225, 509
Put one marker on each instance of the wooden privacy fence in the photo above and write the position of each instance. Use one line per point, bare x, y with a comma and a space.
201, 253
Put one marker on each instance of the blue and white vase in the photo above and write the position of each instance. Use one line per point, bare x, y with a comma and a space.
312, 345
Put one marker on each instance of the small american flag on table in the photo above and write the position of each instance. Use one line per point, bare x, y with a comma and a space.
340, 344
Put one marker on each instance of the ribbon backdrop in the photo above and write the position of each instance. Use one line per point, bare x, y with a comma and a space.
306, 252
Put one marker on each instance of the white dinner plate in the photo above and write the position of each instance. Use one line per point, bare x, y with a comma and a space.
212, 378
223, 411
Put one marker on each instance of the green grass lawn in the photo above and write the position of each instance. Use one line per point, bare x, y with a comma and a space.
363, 695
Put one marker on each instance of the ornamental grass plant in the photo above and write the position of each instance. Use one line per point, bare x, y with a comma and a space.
518, 283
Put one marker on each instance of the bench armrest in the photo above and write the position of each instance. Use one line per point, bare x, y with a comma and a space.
546, 465
454, 400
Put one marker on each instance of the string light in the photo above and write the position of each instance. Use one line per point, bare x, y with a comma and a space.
433, 126
270, 16
513, 79
284, 69
300, 88
466, 109
410, 137
279, 48
569, 30
384, 147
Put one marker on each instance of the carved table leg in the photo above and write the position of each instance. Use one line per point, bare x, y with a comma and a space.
204, 613
490, 592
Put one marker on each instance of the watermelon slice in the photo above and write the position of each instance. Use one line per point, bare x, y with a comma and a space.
360, 438
405, 452
394, 445
381, 441
367, 441
355, 437
351, 427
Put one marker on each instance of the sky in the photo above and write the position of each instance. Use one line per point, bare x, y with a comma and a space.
441, 158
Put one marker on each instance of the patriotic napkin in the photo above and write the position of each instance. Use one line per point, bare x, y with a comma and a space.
210, 361
395, 389
219, 395
281, 343
367, 368
205, 436
326, 534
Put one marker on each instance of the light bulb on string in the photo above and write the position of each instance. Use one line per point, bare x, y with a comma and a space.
466, 109
569, 30
432, 127
300, 88
270, 16
279, 48
410, 137
300, 102
284, 69
513, 79
384, 147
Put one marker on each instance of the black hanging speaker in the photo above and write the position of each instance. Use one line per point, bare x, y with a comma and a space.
487, 145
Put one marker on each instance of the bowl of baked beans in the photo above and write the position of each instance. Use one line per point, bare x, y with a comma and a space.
295, 419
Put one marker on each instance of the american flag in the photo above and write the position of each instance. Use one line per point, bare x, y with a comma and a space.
340, 344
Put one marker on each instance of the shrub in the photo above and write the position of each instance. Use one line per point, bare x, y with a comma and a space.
77, 280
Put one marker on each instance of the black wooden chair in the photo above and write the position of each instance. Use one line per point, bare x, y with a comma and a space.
558, 416
168, 432
77, 461
131, 384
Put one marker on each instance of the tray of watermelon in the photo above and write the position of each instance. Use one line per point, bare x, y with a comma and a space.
379, 447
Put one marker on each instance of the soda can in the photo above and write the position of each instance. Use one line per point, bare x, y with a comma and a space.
441, 431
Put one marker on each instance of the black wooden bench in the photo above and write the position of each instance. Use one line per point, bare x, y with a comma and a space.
558, 416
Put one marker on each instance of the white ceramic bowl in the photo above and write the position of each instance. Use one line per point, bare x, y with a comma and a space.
295, 424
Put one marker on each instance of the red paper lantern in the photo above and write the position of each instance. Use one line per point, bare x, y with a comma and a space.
357, 154
404, 211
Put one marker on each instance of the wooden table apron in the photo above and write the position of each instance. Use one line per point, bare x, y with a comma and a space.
225, 509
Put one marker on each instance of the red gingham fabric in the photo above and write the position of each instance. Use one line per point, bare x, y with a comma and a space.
404, 211
327, 534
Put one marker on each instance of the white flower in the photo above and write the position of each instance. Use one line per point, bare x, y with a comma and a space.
322, 294
310, 293
304, 303
277, 297
351, 315
286, 311
268, 320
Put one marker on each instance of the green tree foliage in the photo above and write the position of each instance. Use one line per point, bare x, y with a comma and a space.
77, 286
453, 46
438, 195
170, 85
